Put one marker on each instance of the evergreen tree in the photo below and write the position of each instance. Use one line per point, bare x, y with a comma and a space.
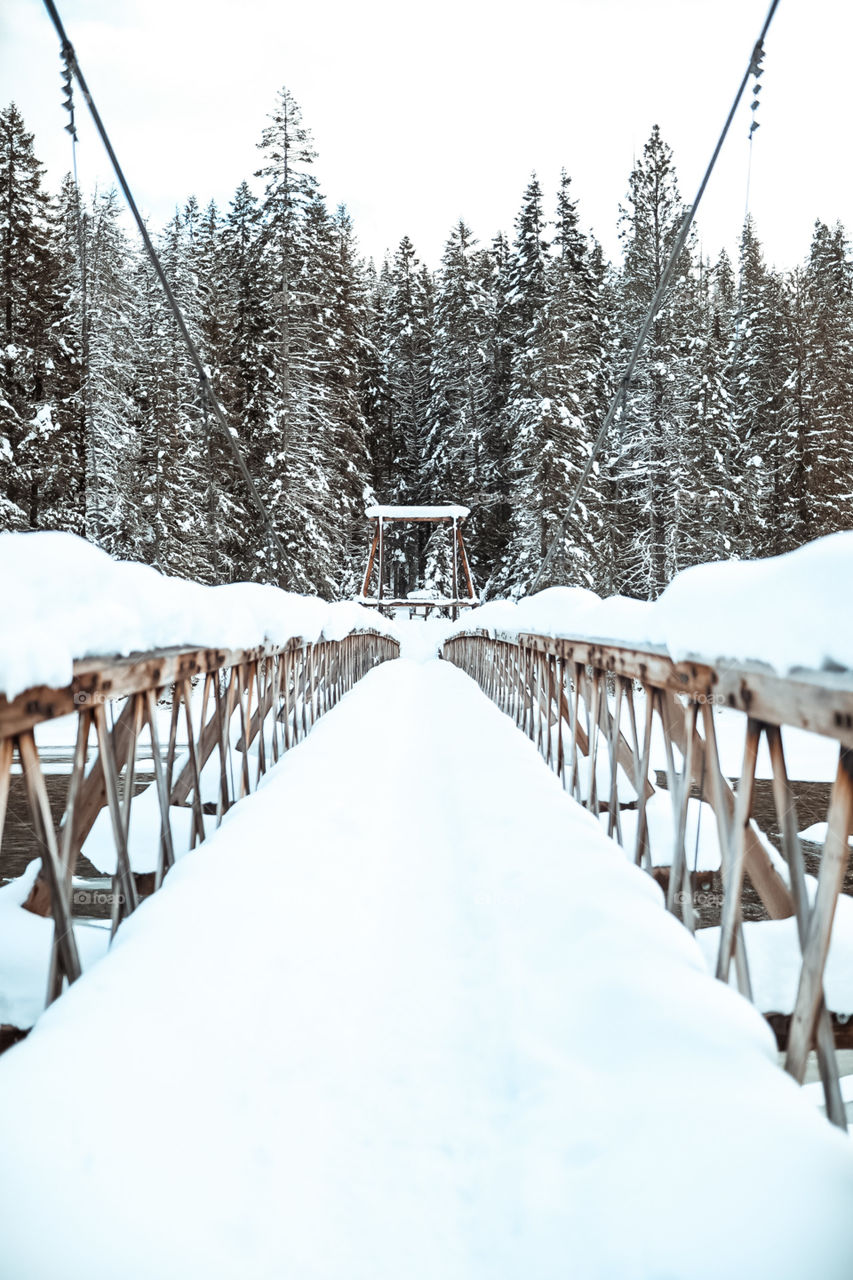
760, 403
26, 421
821, 488
246, 376
398, 438
170, 471
457, 464
654, 421
554, 396
287, 446
109, 377
710, 502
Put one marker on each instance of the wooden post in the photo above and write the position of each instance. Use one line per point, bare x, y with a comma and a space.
465, 566
786, 809
381, 534
375, 543
64, 939
454, 612
833, 864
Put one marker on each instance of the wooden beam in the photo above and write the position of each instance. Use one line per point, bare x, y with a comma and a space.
818, 701
465, 566
371, 557
455, 571
833, 864
46, 836
766, 880
786, 811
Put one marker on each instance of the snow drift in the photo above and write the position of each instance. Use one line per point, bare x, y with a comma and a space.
790, 611
65, 598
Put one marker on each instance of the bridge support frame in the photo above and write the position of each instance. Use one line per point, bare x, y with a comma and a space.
572, 696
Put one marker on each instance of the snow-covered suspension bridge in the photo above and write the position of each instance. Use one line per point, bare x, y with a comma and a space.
408, 1009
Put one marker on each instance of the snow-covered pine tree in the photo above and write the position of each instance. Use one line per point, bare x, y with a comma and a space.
655, 417
334, 431
374, 392
492, 507
28, 301
227, 513
572, 338
398, 442
822, 485
526, 299
556, 386
57, 452
247, 378
169, 478
348, 353
109, 376
709, 504
457, 466
290, 481
761, 407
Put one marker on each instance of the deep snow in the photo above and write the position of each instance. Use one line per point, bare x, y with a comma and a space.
788, 611
73, 601
410, 1013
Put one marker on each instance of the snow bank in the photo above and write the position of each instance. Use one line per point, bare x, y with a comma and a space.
70, 600
463, 1041
791, 611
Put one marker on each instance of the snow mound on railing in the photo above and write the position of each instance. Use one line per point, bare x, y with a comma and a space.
789, 611
63, 598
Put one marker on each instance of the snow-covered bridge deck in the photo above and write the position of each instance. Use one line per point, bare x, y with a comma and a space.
450, 1032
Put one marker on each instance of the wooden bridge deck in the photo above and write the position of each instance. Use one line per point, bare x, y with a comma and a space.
406, 1056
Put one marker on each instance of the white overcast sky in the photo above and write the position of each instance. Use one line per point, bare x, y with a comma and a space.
425, 113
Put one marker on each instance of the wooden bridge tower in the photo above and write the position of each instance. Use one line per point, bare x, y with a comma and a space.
454, 516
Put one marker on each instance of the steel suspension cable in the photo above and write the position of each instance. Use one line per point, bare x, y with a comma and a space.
654, 306
71, 62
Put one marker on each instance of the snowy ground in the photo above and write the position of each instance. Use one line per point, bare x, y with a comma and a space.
450, 1033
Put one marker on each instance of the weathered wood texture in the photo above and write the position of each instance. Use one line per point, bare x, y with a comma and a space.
267, 697
573, 697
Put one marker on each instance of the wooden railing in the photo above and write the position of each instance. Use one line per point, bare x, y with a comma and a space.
579, 700
226, 701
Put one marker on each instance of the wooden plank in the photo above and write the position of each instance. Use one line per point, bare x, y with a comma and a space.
733, 873
46, 836
725, 820
166, 853
833, 864
195, 770
124, 886
105, 679
371, 557
819, 701
7, 751
68, 852
786, 810
466, 568
767, 882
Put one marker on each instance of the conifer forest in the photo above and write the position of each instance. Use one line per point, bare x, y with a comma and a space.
483, 381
